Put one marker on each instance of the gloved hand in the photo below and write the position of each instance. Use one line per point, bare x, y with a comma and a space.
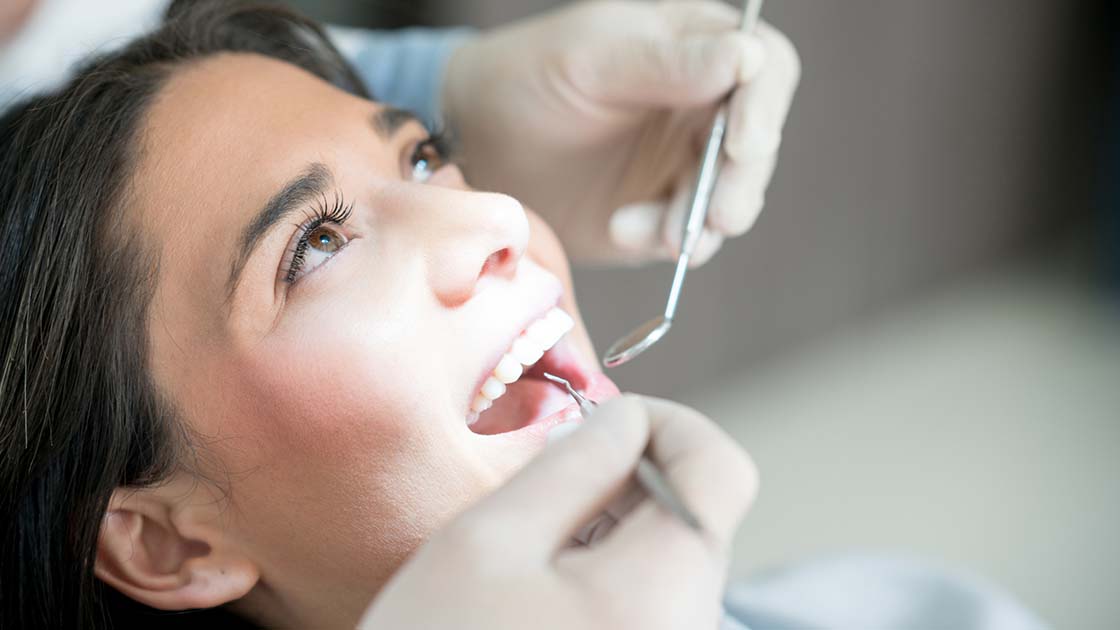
595, 116
506, 562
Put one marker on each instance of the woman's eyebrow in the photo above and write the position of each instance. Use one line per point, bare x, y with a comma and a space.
312, 183
388, 120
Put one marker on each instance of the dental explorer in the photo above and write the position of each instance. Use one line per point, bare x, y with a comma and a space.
641, 338
649, 477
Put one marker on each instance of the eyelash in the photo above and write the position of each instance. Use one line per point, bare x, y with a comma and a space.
335, 214
440, 140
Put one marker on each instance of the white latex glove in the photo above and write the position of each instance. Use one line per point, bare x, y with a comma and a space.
595, 116
507, 563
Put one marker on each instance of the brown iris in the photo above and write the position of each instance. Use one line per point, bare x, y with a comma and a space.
324, 240
427, 158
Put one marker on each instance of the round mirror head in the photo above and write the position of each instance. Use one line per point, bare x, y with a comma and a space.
635, 343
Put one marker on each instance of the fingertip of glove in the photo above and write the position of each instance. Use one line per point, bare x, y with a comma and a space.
625, 409
752, 56
634, 227
752, 141
559, 432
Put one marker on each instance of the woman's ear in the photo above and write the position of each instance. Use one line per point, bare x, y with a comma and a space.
165, 549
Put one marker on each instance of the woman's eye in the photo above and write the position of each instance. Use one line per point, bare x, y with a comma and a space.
313, 249
426, 160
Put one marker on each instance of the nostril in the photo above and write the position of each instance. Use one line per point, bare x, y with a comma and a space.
496, 262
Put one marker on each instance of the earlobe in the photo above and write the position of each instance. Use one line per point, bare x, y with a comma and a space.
142, 553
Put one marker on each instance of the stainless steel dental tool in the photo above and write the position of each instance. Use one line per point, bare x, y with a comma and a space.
649, 477
644, 336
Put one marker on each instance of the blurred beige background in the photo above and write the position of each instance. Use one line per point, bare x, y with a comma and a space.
911, 341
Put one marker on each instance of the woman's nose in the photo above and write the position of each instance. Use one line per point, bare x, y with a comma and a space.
475, 238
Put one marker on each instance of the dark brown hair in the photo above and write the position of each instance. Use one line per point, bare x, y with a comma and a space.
79, 415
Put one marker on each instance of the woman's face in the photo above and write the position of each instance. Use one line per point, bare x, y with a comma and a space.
329, 303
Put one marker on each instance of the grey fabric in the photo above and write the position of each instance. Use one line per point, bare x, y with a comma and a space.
403, 68
867, 592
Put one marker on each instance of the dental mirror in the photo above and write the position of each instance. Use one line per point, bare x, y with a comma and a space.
637, 341
641, 338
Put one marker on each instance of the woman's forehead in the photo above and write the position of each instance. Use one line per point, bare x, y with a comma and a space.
231, 116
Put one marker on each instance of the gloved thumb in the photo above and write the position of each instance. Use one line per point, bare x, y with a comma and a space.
651, 230
571, 481
676, 71
635, 229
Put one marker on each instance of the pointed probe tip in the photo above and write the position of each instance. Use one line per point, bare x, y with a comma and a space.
557, 379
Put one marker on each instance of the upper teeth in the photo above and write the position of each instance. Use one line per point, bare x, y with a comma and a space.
526, 350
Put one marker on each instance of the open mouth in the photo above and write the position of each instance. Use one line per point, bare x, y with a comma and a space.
515, 395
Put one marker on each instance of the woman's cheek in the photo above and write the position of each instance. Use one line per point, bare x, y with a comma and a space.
545, 248
325, 397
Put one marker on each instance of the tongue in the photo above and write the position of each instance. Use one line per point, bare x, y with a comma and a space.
525, 401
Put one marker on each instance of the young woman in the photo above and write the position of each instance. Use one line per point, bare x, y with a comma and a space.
261, 339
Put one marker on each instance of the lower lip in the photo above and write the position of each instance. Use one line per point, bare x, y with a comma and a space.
598, 387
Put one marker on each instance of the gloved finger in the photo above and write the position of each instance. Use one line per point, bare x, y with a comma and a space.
687, 17
672, 228
595, 531
706, 247
759, 108
739, 195
601, 525
713, 476
624, 504
652, 230
704, 464
752, 132
672, 222
566, 485
635, 230
669, 71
